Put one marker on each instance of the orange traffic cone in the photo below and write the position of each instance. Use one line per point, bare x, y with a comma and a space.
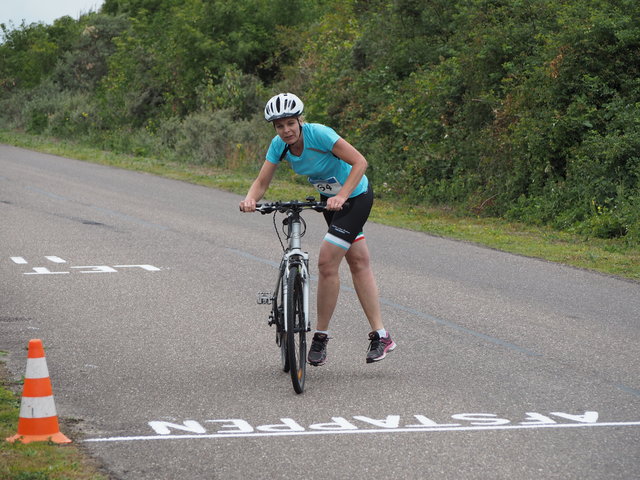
38, 420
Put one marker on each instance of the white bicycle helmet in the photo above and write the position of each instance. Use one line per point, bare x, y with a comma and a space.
283, 105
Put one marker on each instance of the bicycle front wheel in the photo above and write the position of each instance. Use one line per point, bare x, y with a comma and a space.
284, 356
296, 329
278, 316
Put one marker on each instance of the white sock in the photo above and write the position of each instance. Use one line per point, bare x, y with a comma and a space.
382, 332
326, 332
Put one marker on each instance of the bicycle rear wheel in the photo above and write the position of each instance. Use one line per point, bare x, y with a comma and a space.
296, 329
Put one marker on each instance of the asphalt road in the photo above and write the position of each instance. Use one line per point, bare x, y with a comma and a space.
143, 290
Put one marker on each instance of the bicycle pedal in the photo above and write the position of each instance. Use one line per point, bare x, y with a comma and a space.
265, 298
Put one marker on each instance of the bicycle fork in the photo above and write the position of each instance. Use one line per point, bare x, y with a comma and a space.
290, 259
301, 260
295, 256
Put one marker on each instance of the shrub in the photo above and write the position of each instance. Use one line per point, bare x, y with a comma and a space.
214, 138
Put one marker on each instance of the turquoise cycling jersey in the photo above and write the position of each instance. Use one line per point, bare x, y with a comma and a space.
326, 172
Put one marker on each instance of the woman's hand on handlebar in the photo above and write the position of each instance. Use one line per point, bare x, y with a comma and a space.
248, 205
335, 203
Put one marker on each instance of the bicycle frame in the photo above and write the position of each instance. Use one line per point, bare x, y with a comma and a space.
293, 256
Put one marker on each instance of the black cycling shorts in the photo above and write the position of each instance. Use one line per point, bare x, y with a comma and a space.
345, 226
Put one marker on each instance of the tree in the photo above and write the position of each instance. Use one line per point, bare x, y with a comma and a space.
29, 53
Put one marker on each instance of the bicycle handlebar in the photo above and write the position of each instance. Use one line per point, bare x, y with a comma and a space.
294, 205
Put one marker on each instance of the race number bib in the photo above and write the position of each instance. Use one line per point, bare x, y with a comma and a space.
326, 186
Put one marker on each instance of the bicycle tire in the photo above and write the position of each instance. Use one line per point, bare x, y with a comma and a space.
281, 335
296, 329
284, 355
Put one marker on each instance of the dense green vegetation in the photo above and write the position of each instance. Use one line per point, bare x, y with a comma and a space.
526, 110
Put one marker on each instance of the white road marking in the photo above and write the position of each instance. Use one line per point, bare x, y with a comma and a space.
148, 268
43, 271
97, 269
82, 269
418, 429
54, 259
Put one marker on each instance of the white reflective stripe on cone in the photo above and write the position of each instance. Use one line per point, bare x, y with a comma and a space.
37, 407
37, 368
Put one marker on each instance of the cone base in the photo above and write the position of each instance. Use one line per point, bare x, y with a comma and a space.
55, 438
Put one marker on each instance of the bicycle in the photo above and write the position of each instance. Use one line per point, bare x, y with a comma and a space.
290, 298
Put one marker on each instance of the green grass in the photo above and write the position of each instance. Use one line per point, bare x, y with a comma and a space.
609, 256
47, 461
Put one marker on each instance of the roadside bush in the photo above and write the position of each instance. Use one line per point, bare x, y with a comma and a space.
242, 94
214, 138
48, 110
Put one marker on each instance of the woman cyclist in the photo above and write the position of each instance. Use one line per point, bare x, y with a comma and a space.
336, 169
